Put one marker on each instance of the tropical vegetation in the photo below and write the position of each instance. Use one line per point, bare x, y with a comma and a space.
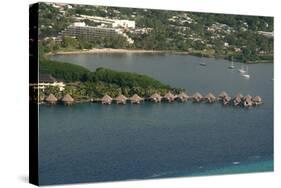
84, 84
203, 34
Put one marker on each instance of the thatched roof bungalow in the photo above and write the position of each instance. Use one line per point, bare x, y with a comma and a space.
67, 99
226, 100
239, 95
135, 99
169, 97
106, 99
121, 99
51, 99
197, 97
237, 99
183, 97
257, 100
210, 98
155, 97
222, 95
247, 97
247, 101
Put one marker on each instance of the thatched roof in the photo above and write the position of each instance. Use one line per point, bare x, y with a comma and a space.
248, 101
223, 94
106, 98
237, 98
135, 97
257, 99
121, 98
197, 95
67, 98
182, 95
247, 97
238, 95
210, 96
51, 98
169, 95
155, 96
227, 98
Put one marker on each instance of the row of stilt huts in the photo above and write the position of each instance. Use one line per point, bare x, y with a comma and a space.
67, 99
224, 98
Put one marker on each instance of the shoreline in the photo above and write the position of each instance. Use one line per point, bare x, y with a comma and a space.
114, 50
139, 51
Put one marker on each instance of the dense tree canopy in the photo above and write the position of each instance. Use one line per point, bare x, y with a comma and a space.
65, 71
198, 33
102, 81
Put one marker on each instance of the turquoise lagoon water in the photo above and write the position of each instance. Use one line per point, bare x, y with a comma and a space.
94, 143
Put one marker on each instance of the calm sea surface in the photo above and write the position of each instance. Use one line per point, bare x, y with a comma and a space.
93, 142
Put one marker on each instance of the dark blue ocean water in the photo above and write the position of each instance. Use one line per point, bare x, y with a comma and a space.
93, 142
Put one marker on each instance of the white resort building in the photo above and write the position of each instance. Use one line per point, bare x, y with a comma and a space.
46, 80
113, 23
91, 33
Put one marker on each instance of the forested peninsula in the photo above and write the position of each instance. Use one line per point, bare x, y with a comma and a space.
83, 84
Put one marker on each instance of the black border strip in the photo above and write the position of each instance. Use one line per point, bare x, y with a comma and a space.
33, 106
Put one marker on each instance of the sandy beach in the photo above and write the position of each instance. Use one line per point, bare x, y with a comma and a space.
120, 51
112, 50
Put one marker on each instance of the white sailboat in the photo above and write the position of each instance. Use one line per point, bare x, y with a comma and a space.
232, 65
246, 74
241, 70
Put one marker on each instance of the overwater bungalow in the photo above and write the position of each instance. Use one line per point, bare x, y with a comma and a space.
135, 99
257, 100
51, 99
182, 97
222, 95
155, 98
106, 99
226, 100
121, 99
67, 99
210, 98
169, 97
247, 101
237, 99
197, 97
246, 97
